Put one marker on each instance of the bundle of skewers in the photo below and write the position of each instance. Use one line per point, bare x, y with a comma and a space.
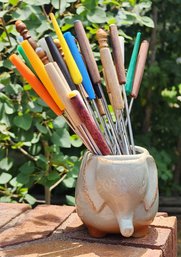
64, 73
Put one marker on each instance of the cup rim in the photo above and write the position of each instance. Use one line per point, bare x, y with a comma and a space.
140, 151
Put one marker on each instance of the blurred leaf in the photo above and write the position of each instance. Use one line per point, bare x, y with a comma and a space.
5, 178
27, 87
6, 164
9, 108
80, 9
4, 78
5, 199
23, 122
75, 141
36, 138
37, 2
61, 138
70, 200
13, 2
41, 128
34, 107
147, 21
53, 175
69, 182
13, 182
17, 145
23, 178
27, 167
97, 16
42, 161
59, 122
30, 199
111, 2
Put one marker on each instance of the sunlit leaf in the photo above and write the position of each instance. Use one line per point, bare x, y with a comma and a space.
6, 164
23, 121
69, 182
5, 178
59, 122
75, 141
70, 200
30, 199
5, 199
147, 21
97, 16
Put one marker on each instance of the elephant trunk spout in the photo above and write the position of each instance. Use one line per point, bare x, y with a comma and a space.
126, 226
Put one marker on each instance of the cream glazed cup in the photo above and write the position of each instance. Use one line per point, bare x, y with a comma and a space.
117, 193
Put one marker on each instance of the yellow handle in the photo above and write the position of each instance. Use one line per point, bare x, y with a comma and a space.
41, 72
72, 66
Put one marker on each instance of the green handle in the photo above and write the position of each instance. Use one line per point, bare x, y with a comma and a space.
132, 65
25, 58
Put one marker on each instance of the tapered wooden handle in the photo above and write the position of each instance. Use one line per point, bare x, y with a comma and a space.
57, 43
121, 41
100, 106
62, 90
87, 52
140, 65
110, 72
35, 83
117, 53
89, 122
24, 32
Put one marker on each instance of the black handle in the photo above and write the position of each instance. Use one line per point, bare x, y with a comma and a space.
60, 62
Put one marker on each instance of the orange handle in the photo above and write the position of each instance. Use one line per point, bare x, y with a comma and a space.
35, 83
41, 72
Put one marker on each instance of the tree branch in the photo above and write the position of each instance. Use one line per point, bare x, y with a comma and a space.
23, 151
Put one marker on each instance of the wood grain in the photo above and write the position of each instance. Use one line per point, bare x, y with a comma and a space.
140, 65
87, 52
112, 82
117, 54
89, 123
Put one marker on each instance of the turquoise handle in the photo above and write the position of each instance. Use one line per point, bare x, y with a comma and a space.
22, 53
132, 65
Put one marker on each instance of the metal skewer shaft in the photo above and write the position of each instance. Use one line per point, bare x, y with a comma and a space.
112, 84
86, 82
62, 89
129, 122
106, 60
93, 71
88, 121
63, 93
118, 60
44, 95
81, 133
114, 137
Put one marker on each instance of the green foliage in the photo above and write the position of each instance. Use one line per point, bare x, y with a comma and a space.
12, 190
156, 114
34, 142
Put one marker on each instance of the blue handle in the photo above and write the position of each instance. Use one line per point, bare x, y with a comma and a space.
87, 84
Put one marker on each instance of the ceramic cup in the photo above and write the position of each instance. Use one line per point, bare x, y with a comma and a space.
117, 194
